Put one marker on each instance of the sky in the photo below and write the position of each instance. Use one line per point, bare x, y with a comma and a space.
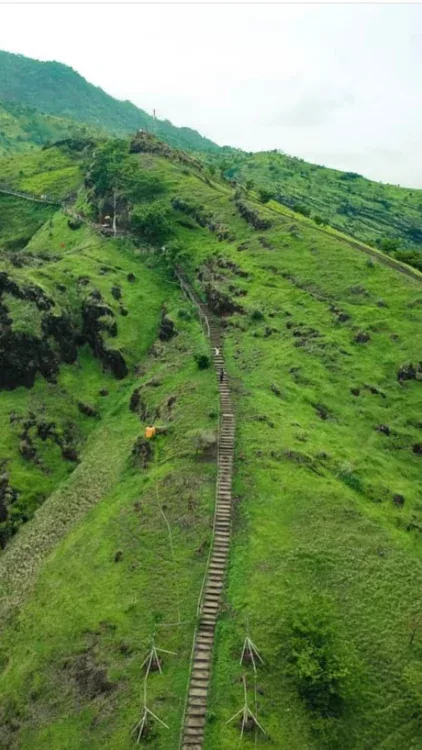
335, 84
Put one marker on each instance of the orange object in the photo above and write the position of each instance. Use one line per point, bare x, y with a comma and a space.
150, 432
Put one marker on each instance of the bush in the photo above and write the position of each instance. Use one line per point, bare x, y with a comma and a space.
301, 209
265, 195
257, 314
152, 222
314, 665
321, 221
202, 360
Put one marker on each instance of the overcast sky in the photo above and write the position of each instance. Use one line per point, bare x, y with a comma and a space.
339, 85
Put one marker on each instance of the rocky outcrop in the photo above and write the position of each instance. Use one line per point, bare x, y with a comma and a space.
410, 372
252, 217
97, 318
167, 328
220, 303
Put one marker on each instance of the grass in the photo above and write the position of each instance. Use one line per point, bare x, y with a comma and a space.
317, 537
368, 210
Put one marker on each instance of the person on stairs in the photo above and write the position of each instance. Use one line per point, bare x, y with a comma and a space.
221, 375
217, 351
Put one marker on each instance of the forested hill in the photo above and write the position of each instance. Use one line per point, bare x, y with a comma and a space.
57, 89
24, 128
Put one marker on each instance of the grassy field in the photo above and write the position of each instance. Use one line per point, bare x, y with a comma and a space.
375, 213
325, 569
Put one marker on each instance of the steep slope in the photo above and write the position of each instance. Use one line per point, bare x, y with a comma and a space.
57, 89
24, 128
322, 346
386, 216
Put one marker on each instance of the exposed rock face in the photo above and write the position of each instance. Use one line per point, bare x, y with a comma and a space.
251, 216
220, 303
7, 496
362, 337
142, 452
410, 372
98, 317
22, 356
87, 409
167, 328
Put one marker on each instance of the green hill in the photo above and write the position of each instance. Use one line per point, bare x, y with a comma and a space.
57, 89
388, 216
24, 128
322, 345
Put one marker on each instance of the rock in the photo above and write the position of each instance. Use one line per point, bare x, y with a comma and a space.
87, 409
142, 452
322, 411
408, 372
116, 292
167, 329
384, 428
362, 337
251, 216
27, 450
342, 317
131, 276
220, 303
398, 500
70, 453
74, 223
123, 311
355, 391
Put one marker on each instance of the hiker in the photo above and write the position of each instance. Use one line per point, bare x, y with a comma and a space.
217, 351
221, 375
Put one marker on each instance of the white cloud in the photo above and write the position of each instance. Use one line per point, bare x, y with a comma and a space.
338, 83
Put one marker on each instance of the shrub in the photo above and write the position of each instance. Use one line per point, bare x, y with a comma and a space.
152, 222
317, 670
301, 209
202, 360
257, 314
265, 195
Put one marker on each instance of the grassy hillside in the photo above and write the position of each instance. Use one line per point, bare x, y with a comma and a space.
57, 89
386, 216
24, 128
323, 346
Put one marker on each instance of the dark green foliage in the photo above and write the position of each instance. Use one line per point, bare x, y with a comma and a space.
114, 170
388, 245
257, 314
265, 195
202, 360
152, 222
58, 90
366, 210
317, 670
300, 209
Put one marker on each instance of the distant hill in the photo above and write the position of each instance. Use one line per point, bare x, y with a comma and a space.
57, 89
387, 216
24, 128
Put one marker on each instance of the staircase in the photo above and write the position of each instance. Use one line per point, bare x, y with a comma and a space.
200, 676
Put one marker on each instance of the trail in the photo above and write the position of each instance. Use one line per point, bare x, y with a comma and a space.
192, 735
385, 260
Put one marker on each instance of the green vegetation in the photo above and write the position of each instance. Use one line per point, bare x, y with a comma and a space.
59, 90
387, 216
322, 346
23, 129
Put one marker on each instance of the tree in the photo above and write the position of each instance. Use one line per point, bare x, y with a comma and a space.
152, 222
265, 195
